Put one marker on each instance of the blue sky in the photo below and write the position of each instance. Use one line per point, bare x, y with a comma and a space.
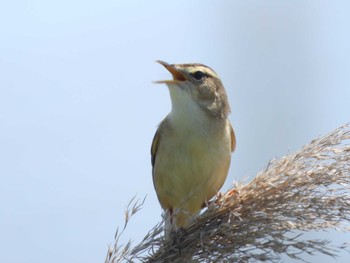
78, 109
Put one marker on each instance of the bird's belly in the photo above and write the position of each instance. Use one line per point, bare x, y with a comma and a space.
191, 170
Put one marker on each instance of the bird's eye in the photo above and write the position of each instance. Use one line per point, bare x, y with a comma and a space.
198, 75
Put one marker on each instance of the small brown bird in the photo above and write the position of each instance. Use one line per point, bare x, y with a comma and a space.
191, 150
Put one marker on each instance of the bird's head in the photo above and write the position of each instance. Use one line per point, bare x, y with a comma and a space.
197, 83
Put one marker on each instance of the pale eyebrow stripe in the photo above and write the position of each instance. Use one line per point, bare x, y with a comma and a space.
205, 70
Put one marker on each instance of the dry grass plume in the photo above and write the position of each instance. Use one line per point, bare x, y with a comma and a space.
265, 218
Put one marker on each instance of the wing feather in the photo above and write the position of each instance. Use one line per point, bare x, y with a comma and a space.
233, 139
154, 147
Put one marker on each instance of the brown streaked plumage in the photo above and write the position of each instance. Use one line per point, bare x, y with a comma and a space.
191, 150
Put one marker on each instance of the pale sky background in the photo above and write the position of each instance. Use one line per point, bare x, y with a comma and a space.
78, 109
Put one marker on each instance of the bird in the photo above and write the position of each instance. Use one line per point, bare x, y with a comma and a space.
191, 149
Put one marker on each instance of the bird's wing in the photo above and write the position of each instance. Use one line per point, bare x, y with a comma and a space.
154, 147
233, 139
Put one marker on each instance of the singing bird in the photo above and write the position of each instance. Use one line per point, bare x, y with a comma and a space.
191, 150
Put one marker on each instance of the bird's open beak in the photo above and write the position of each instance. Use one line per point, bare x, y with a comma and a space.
177, 75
